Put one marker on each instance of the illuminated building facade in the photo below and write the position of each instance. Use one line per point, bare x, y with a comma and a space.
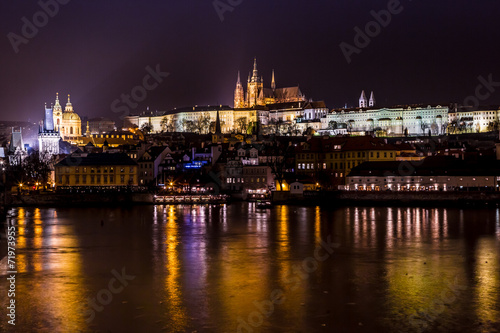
67, 122
48, 136
97, 170
335, 157
393, 121
436, 173
257, 95
483, 119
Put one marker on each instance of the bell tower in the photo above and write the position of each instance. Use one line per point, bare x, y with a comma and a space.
254, 87
239, 95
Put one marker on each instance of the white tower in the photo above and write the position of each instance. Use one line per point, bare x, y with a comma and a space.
363, 102
48, 137
372, 101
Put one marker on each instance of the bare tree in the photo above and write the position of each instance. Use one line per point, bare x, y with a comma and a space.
146, 128
242, 125
167, 124
276, 160
202, 124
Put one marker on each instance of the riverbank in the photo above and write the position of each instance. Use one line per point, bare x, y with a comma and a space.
312, 198
78, 199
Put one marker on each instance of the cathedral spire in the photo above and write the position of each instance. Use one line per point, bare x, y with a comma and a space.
57, 106
217, 124
372, 101
363, 102
239, 95
273, 82
255, 76
69, 106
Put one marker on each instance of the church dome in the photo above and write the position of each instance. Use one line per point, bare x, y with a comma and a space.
70, 116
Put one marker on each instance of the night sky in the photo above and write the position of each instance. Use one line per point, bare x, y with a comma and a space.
432, 52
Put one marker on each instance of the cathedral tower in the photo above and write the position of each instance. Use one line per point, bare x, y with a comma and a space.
273, 83
363, 102
57, 111
372, 101
254, 87
239, 94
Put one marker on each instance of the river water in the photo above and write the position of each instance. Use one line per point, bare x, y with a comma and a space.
237, 268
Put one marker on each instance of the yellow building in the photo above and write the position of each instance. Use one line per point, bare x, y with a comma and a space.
96, 170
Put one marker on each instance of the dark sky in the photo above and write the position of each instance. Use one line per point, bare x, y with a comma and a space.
431, 52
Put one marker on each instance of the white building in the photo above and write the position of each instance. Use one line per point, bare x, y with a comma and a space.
393, 121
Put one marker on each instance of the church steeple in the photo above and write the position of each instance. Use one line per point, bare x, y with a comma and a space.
217, 137
69, 106
57, 106
255, 87
239, 95
372, 101
273, 82
217, 124
363, 102
255, 76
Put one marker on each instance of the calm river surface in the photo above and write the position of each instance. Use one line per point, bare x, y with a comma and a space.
237, 268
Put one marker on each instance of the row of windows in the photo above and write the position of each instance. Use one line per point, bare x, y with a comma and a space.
376, 180
98, 170
348, 155
255, 171
324, 166
242, 180
91, 179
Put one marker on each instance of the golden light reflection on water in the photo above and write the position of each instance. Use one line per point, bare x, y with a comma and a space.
291, 284
418, 273
317, 225
44, 247
174, 297
498, 223
487, 288
213, 263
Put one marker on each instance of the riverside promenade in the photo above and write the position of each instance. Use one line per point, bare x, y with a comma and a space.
78, 199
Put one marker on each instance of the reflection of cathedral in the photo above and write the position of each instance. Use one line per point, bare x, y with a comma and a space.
258, 95
68, 123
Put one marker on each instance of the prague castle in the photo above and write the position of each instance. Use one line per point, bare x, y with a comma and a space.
289, 109
257, 95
